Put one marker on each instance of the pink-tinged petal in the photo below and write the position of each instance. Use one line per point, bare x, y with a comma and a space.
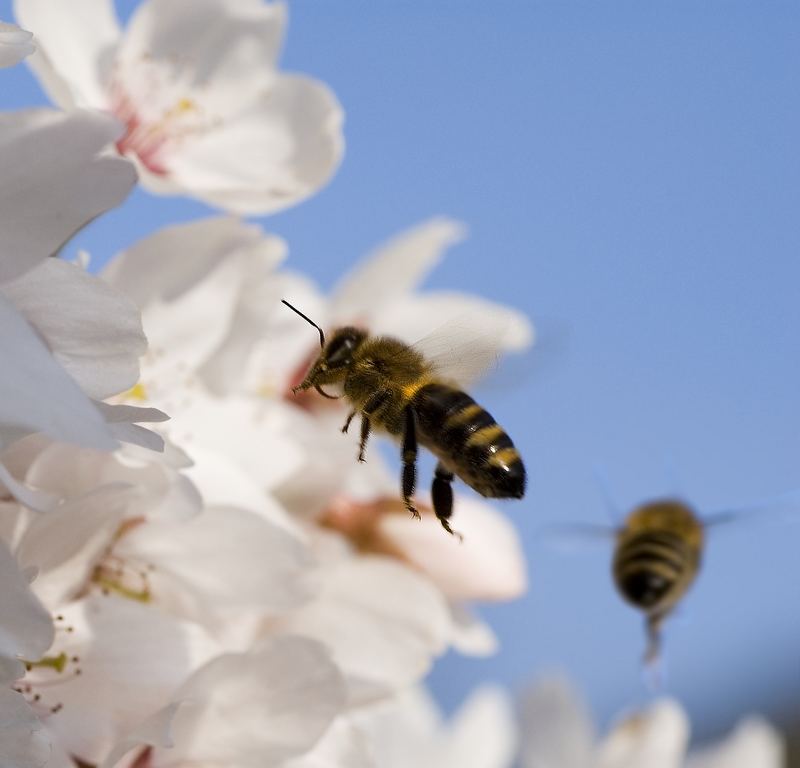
488, 564
381, 645
228, 48
24, 741
55, 180
132, 658
256, 709
26, 628
122, 419
15, 44
753, 744
94, 331
556, 728
278, 151
222, 565
155, 731
76, 48
656, 738
394, 270
38, 396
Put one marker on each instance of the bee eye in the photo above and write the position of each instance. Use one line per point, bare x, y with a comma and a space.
340, 352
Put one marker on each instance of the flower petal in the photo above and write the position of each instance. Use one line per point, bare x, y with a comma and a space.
155, 731
76, 45
26, 628
277, 152
556, 728
259, 708
342, 745
754, 744
15, 44
24, 741
122, 420
488, 564
656, 738
380, 644
40, 396
94, 331
54, 181
394, 269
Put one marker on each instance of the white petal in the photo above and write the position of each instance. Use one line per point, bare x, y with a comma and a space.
15, 44
24, 741
221, 565
26, 628
557, 731
342, 745
38, 396
76, 47
277, 152
122, 420
470, 635
754, 744
383, 623
256, 709
132, 658
41, 501
94, 331
54, 181
656, 738
66, 544
227, 49
394, 269
155, 731
488, 564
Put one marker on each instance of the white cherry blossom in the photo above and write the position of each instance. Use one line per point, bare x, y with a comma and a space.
15, 44
557, 732
206, 112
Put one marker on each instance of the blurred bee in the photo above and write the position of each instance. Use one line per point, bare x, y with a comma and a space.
658, 550
394, 386
656, 559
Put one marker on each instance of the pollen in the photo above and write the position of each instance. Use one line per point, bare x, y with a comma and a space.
137, 392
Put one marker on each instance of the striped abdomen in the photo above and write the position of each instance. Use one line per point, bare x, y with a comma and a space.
653, 569
468, 441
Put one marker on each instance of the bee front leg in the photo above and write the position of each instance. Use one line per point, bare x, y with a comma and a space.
442, 495
350, 417
409, 477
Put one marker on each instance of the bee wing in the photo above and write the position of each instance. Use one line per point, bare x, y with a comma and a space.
782, 507
461, 351
570, 537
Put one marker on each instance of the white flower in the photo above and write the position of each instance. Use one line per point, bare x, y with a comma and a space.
195, 82
557, 733
410, 730
15, 44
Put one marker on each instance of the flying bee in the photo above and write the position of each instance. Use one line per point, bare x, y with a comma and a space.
656, 559
394, 386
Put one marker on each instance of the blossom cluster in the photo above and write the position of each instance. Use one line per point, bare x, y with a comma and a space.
197, 571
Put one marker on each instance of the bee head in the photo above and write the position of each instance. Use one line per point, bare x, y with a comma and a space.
335, 358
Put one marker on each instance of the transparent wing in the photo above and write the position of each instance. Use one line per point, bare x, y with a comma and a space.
784, 507
461, 351
572, 537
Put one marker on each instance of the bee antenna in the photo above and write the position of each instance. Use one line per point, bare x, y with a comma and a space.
308, 320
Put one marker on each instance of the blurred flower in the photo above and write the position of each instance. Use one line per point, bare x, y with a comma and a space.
557, 733
195, 83
15, 44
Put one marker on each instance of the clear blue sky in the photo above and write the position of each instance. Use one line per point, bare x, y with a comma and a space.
631, 171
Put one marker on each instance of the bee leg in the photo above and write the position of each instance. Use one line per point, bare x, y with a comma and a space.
350, 417
409, 477
442, 495
372, 405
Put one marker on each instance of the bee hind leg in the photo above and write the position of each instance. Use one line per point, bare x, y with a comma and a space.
409, 476
442, 495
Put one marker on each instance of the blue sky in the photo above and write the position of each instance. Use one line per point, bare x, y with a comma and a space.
630, 172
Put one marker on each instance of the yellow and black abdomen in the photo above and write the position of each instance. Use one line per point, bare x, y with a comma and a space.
468, 441
653, 569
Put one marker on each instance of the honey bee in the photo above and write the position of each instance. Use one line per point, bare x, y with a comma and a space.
393, 386
656, 560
